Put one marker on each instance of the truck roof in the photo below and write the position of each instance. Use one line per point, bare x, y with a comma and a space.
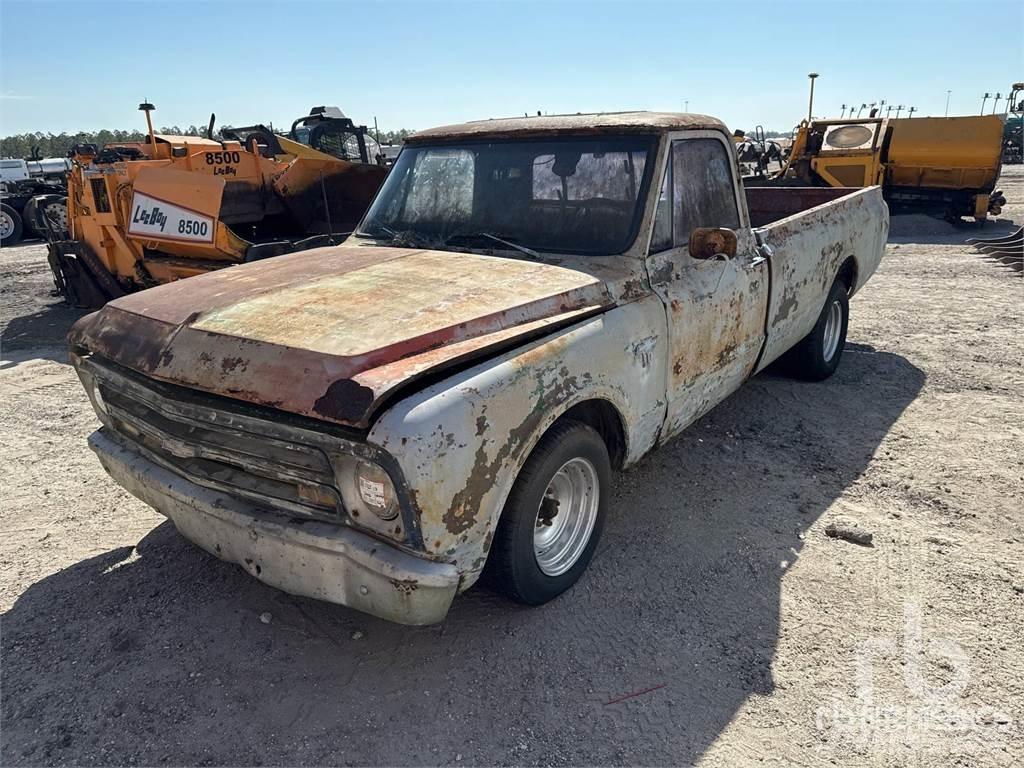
579, 123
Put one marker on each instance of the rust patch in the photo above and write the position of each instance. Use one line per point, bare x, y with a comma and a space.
230, 364
633, 289
789, 303
344, 400
462, 514
725, 355
406, 587
663, 273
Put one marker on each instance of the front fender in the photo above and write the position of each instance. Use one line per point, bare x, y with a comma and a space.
461, 442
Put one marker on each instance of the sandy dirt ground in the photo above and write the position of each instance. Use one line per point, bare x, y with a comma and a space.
748, 635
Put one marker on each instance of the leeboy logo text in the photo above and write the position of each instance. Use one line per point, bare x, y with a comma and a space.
153, 216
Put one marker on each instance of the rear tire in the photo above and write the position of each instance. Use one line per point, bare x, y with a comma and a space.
553, 518
817, 356
10, 226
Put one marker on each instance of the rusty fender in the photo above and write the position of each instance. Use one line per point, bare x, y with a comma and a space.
461, 442
807, 257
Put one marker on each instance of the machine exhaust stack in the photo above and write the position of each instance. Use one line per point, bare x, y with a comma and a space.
148, 108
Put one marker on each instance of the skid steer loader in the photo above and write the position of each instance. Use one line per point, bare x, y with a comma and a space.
142, 214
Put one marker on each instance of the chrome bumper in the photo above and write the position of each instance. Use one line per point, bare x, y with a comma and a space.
310, 558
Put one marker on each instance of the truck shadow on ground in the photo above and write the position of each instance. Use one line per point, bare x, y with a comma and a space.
159, 653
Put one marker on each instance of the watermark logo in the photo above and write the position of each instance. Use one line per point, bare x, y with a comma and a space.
912, 693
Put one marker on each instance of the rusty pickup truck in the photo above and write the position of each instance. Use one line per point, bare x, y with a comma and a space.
528, 305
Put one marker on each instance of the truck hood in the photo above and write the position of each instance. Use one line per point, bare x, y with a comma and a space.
331, 333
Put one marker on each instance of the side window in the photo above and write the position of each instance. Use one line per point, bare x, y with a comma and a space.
702, 188
661, 238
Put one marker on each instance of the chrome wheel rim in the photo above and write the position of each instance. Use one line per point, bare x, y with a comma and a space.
58, 214
566, 516
6, 224
833, 326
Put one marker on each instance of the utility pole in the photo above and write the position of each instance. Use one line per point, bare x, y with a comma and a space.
911, 111
948, 92
995, 103
843, 113
898, 110
810, 102
862, 108
984, 98
888, 110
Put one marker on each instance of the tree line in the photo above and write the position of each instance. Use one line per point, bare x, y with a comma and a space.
23, 145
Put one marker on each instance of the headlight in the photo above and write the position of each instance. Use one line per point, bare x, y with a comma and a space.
376, 490
369, 494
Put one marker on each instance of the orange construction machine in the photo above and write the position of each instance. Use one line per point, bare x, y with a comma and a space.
146, 213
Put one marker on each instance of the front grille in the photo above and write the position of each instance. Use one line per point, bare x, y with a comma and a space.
212, 449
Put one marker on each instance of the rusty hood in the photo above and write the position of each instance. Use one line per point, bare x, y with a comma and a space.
331, 333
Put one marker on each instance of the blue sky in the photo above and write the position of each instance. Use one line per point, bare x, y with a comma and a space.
86, 65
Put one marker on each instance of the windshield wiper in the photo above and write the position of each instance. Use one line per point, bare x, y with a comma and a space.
407, 239
515, 246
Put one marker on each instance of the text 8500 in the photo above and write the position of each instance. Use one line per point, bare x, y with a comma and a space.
216, 158
190, 227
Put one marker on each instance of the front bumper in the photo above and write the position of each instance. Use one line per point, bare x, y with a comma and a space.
303, 557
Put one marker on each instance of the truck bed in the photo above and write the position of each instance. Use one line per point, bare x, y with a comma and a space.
814, 234
770, 204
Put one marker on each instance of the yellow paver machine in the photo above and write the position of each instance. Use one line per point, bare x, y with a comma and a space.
946, 165
146, 213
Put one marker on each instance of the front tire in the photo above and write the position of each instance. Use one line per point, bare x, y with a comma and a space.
554, 516
817, 356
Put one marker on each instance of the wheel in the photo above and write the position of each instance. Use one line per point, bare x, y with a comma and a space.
47, 216
57, 212
10, 226
816, 357
553, 518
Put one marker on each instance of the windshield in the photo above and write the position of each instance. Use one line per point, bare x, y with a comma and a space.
573, 195
337, 142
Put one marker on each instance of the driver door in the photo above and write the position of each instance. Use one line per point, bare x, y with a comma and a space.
716, 307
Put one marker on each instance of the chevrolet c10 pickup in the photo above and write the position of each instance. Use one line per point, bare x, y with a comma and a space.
528, 305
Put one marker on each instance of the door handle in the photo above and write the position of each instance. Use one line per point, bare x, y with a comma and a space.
764, 252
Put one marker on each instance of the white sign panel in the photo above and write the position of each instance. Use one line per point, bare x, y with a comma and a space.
161, 220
